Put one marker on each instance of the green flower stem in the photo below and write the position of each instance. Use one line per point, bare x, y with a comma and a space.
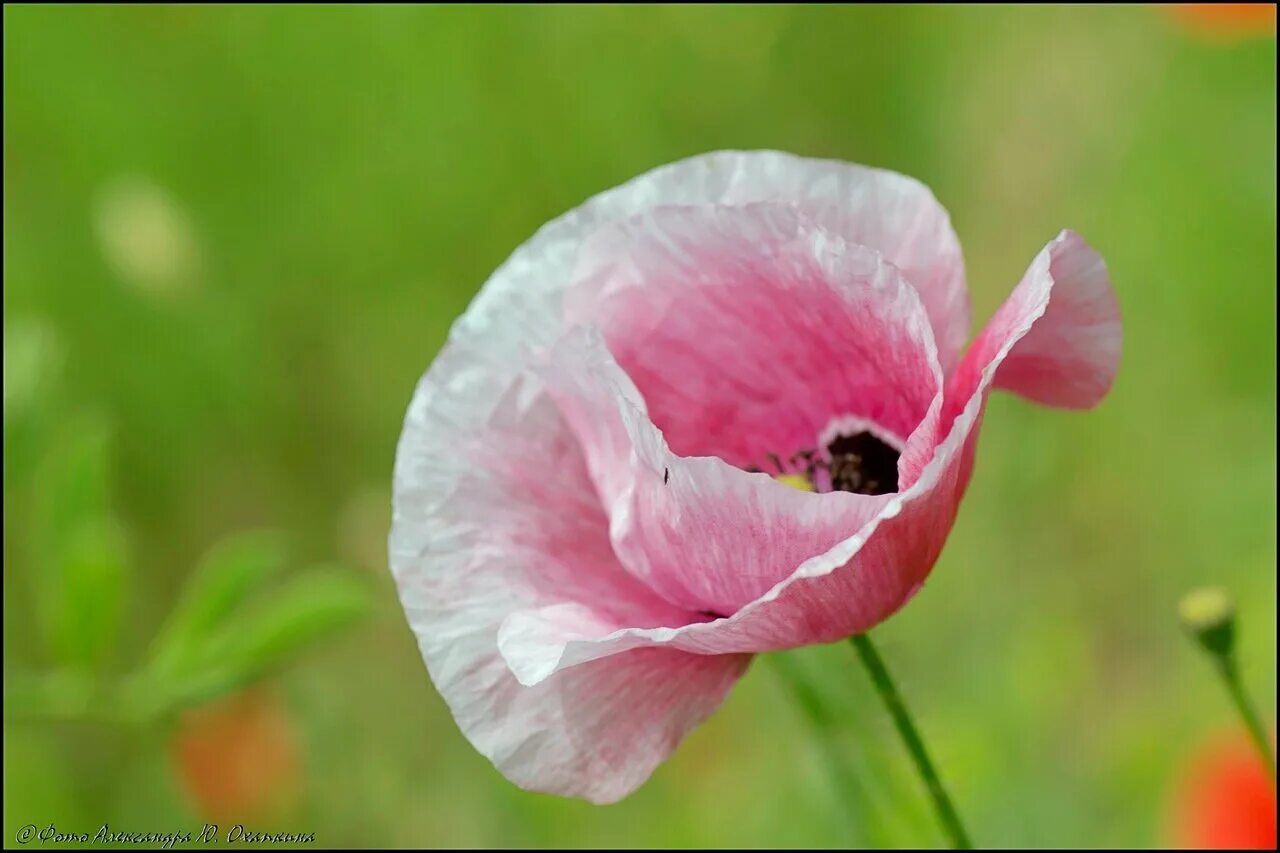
911, 738
1226, 665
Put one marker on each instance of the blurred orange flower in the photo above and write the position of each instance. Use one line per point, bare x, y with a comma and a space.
237, 758
1225, 801
1225, 20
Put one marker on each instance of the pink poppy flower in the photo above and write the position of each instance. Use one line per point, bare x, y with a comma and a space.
589, 538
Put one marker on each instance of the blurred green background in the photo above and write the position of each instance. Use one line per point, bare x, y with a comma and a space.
235, 237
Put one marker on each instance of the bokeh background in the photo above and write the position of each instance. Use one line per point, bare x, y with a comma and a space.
235, 237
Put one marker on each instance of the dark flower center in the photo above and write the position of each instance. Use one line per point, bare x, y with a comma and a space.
858, 462
864, 464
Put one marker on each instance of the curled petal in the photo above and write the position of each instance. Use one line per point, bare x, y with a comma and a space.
516, 529
1069, 358
727, 333
704, 535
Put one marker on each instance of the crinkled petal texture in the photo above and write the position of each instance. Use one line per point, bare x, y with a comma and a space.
583, 539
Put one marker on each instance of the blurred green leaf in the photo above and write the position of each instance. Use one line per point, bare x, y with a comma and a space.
71, 497
33, 357
94, 575
307, 609
73, 481
229, 571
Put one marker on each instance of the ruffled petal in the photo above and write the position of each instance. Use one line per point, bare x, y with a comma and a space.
864, 578
749, 330
892, 213
520, 306
516, 528
704, 535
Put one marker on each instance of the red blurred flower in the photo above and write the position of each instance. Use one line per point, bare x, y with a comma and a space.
1225, 20
1225, 800
237, 758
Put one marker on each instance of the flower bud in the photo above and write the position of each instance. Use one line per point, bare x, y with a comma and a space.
1210, 615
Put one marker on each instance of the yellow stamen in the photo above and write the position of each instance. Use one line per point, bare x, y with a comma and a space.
795, 481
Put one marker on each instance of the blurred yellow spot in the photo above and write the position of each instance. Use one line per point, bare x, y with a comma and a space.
1209, 614
33, 356
795, 481
1207, 607
146, 237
